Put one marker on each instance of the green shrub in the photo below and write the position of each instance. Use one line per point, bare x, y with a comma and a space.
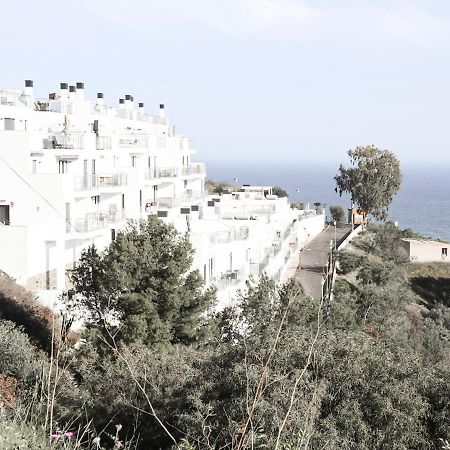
337, 213
18, 357
349, 262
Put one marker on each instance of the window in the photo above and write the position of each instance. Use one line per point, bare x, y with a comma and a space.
63, 166
96, 199
33, 166
444, 252
123, 201
9, 124
185, 184
133, 161
113, 234
4, 214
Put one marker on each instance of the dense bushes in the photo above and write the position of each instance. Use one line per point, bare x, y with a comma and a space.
369, 371
20, 306
18, 357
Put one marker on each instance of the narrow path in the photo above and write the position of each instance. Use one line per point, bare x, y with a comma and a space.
314, 257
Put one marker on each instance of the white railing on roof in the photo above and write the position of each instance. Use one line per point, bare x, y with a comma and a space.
10, 98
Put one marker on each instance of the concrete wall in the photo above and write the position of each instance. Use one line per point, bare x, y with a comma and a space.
427, 251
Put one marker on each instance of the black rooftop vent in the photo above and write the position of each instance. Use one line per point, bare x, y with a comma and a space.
28, 83
121, 100
99, 94
80, 85
127, 97
161, 106
141, 105
64, 85
72, 89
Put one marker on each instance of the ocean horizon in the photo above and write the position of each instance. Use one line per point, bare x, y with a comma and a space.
422, 204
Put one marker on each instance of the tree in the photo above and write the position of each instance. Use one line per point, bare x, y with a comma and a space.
337, 213
372, 181
141, 287
279, 192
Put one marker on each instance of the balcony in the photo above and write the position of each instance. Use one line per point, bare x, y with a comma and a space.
193, 169
161, 172
103, 143
172, 202
64, 141
112, 180
133, 142
85, 182
224, 237
228, 278
95, 221
89, 182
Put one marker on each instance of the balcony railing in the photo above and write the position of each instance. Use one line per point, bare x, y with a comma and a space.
103, 143
226, 236
172, 202
133, 142
112, 180
193, 169
161, 172
88, 182
64, 141
9, 98
229, 278
95, 221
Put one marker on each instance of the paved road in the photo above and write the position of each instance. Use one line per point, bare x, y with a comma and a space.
314, 258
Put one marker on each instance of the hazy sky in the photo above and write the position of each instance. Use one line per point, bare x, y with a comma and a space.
290, 80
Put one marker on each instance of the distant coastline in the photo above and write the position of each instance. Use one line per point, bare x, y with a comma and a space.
423, 203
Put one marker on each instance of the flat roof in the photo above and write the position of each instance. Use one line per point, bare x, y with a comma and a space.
425, 241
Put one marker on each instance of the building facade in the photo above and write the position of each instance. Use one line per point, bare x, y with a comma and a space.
73, 171
425, 250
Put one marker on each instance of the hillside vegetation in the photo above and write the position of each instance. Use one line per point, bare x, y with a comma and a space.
369, 371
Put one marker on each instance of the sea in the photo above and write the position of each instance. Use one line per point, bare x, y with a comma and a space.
422, 204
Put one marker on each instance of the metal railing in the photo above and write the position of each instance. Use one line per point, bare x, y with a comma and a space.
103, 143
9, 98
95, 221
64, 141
228, 278
85, 182
193, 169
133, 142
161, 172
113, 179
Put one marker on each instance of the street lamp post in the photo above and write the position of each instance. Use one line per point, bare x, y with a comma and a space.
334, 222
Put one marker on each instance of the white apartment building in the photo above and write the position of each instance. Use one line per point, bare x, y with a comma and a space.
74, 171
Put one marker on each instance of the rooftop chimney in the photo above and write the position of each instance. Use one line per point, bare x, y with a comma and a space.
127, 101
72, 93
162, 112
80, 91
99, 98
121, 103
64, 94
141, 108
29, 88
